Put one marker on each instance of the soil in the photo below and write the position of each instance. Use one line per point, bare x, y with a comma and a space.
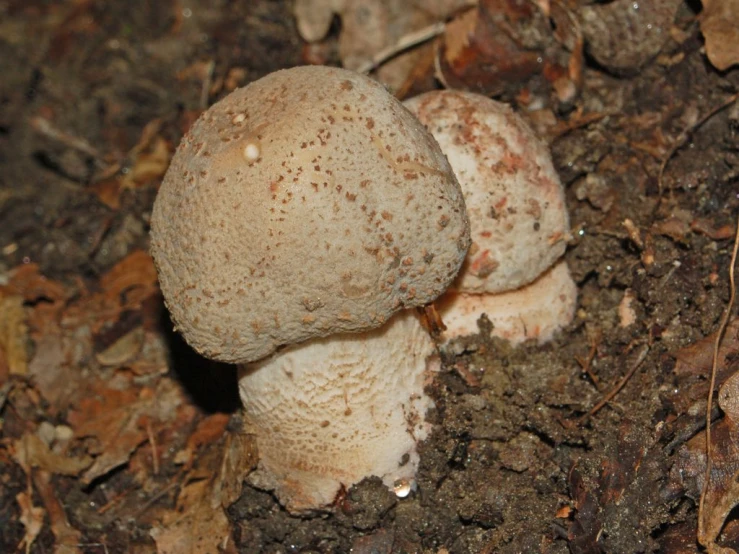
516, 462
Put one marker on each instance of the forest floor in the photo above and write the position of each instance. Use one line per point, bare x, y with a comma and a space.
113, 430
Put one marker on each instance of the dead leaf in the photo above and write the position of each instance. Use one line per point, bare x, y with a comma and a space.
31, 452
494, 47
370, 26
198, 522
208, 430
32, 518
67, 537
240, 458
623, 35
698, 357
720, 27
624, 493
722, 490
28, 281
123, 350
13, 334
197, 525
135, 270
150, 164
117, 418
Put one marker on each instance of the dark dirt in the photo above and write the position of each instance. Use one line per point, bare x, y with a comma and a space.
515, 463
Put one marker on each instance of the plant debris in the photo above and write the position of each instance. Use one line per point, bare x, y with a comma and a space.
116, 437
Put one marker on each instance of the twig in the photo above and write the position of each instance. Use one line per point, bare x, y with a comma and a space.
406, 41
682, 139
149, 503
615, 390
714, 369
44, 127
586, 363
207, 81
153, 443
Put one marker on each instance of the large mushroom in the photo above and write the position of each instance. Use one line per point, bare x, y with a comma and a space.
514, 272
306, 209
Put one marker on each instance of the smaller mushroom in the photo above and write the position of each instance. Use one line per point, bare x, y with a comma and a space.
514, 271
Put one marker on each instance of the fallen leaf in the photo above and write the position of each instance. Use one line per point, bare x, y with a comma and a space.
494, 47
722, 490
697, 358
240, 457
720, 27
32, 518
370, 26
198, 526
123, 350
208, 430
624, 35
117, 418
32, 452
626, 492
28, 281
67, 537
135, 270
198, 523
13, 334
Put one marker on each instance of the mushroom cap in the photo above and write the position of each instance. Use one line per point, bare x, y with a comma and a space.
307, 203
514, 197
535, 311
329, 412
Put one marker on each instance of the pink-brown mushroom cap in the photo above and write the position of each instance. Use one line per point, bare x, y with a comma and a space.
308, 203
515, 201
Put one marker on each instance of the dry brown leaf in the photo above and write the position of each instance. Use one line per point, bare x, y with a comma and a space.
240, 457
370, 26
32, 518
698, 357
32, 452
496, 46
198, 522
722, 490
135, 270
624, 35
208, 430
13, 334
118, 417
28, 281
123, 350
720, 26
150, 165
197, 525
67, 537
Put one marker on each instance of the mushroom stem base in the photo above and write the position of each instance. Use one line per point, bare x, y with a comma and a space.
329, 412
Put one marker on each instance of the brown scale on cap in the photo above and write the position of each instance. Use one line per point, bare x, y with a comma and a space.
310, 183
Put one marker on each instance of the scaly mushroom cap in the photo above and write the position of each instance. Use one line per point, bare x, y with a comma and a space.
307, 203
514, 198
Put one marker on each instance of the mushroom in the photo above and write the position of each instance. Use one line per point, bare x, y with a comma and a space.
311, 204
518, 218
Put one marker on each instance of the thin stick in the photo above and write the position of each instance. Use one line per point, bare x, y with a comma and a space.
406, 41
714, 370
615, 390
154, 450
682, 139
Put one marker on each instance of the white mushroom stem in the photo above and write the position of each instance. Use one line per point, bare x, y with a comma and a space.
535, 311
329, 412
